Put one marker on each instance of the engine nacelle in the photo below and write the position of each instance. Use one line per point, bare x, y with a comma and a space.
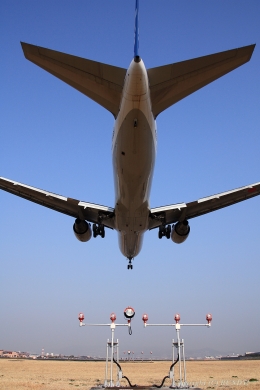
180, 232
82, 230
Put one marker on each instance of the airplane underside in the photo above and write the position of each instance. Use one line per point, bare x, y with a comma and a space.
133, 161
135, 97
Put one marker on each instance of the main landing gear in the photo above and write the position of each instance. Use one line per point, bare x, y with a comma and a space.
98, 230
130, 265
165, 231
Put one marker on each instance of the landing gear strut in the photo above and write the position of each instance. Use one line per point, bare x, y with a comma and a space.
130, 265
98, 230
164, 231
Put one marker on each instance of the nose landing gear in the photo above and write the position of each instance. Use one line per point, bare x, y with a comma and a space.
130, 265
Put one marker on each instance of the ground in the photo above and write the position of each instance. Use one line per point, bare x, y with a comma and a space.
24, 374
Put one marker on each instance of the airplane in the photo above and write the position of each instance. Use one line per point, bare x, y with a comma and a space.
135, 97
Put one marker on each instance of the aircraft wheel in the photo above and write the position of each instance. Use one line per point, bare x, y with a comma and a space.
94, 228
102, 231
168, 231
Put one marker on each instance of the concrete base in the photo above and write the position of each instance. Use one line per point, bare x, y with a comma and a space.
142, 387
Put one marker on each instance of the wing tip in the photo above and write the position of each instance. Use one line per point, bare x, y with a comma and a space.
251, 49
29, 50
24, 48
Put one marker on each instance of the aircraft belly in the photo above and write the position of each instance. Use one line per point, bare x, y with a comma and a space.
130, 244
134, 157
134, 149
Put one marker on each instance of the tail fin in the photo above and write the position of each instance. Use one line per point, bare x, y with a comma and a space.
136, 42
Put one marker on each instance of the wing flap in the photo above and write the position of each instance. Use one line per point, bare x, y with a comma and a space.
100, 82
174, 213
171, 83
88, 211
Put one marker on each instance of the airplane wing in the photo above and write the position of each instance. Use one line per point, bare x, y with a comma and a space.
181, 211
100, 82
78, 209
171, 83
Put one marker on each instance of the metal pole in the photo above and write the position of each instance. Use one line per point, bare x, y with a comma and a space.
117, 350
184, 362
105, 384
117, 359
177, 326
112, 353
173, 381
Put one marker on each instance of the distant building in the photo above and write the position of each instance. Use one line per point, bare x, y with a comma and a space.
252, 355
23, 355
33, 356
10, 354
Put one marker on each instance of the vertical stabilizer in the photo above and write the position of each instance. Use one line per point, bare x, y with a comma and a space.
136, 43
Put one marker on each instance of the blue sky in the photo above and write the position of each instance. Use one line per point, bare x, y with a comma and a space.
54, 138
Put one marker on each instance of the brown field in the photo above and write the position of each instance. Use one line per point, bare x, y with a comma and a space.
39, 375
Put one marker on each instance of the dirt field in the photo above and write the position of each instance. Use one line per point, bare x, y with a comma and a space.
18, 374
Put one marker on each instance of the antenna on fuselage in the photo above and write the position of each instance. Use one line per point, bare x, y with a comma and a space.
136, 41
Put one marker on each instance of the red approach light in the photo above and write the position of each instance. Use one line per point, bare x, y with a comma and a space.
177, 318
209, 318
129, 313
145, 318
81, 317
113, 317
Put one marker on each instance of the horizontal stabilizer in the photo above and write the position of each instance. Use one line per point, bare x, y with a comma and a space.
171, 83
100, 82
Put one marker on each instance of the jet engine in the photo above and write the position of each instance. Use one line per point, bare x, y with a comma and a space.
180, 232
82, 230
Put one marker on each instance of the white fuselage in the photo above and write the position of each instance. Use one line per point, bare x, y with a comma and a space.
134, 150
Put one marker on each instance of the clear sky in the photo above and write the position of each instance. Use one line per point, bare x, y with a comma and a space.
54, 138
